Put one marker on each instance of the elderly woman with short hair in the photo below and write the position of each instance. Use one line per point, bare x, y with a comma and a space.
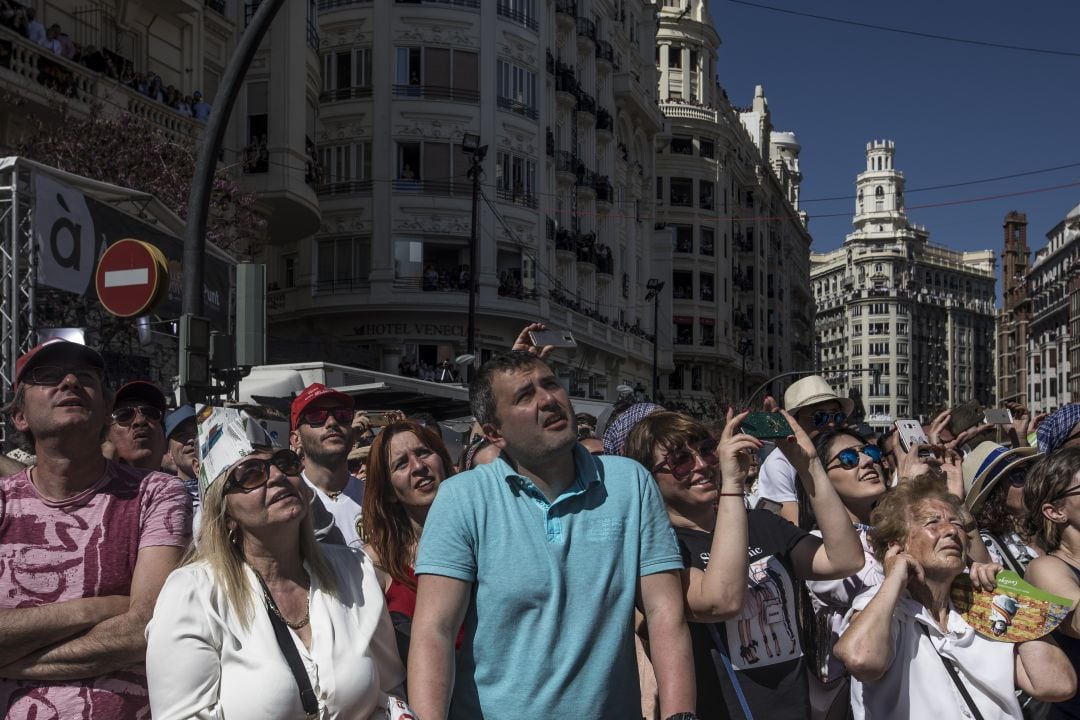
263, 622
910, 653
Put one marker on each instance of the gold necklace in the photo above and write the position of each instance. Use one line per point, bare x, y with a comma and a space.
274, 608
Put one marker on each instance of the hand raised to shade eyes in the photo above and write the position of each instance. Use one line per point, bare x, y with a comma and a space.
524, 342
735, 451
797, 448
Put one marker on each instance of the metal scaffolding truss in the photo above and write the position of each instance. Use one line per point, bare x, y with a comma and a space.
18, 274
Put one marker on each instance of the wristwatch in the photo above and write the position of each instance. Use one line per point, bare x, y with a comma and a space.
683, 716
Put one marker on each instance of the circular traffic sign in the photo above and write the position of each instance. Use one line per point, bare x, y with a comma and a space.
131, 277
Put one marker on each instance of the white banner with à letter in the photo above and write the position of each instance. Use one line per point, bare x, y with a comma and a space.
64, 233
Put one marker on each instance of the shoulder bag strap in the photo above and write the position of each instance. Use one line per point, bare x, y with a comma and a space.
951, 669
292, 657
721, 647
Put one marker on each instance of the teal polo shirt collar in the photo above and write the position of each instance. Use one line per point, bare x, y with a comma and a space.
586, 476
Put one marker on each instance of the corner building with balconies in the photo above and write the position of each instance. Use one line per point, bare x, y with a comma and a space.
913, 322
562, 94
727, 190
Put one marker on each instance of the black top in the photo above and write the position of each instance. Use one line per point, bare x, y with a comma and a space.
763, 641
1070, 709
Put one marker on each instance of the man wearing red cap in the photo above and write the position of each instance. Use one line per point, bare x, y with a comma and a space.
136, 428
85, 546
321, 421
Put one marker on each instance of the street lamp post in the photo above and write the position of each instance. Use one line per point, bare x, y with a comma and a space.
470, 144
654, 286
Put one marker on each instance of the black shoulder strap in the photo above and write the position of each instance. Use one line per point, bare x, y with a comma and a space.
951, 669
296, 665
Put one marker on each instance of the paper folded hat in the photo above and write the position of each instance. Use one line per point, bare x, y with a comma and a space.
225, 436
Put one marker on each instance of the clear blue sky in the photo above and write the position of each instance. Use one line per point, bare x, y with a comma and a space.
956, 112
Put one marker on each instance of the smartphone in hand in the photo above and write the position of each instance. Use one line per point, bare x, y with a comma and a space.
766, 426
555, 338
910, 433
998, 416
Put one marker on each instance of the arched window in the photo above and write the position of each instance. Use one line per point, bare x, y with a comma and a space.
879, 198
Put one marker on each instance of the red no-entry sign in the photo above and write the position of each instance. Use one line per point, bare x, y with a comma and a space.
131, 277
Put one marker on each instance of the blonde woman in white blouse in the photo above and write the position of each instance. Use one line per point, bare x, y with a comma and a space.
212, 649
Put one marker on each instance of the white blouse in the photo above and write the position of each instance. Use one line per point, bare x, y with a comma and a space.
201, 663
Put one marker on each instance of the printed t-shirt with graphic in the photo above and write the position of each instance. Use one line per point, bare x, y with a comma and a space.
763, 640
84, 546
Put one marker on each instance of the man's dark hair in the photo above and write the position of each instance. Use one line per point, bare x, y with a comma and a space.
481, 396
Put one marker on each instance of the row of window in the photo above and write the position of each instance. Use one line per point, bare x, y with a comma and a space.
877, 349
684, 331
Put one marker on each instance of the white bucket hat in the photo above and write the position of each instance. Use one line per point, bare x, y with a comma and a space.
811, 391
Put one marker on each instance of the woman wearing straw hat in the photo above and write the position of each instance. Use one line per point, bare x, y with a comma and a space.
262, 622
994, 479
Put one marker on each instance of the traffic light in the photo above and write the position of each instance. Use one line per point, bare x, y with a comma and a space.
194, 351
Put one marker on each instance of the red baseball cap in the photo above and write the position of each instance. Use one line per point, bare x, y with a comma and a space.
313, 392
56, 350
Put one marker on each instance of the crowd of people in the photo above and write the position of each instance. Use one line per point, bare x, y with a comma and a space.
23, 20
191, 562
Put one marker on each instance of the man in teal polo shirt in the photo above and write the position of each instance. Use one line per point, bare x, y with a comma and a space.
543, 554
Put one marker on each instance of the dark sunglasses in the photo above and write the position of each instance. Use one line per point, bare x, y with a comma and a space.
317, 418
54, 375
126, 415
848, 458
821, 418
255, 473
681, 463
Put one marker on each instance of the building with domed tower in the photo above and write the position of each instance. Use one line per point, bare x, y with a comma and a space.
727, 189
915, 321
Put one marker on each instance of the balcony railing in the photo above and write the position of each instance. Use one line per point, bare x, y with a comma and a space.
436, 92
520, 108
586, 28
331, 286
566, 7
604, 121
565, 161
334, 4
217, 6
517, 197
458, 3
344, 187
585, 103
605, 52
605, 192
433, 187
517, 16
348, 93
78, 83
585, 178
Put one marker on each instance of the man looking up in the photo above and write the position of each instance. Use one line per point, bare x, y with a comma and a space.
543, 554
180, 434
85, 545
816, 408
322, 430
136, 430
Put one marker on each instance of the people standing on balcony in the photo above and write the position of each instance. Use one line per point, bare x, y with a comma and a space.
85, 546
35, 29
199, 109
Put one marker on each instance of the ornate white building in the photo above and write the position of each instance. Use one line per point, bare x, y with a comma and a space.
562, 94
912, 320
1049, 337
727, 188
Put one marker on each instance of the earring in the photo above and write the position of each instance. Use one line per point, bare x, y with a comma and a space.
234, 538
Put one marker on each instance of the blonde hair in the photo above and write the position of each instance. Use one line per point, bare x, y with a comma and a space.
224, 555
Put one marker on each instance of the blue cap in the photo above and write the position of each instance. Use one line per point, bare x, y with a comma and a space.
177, 416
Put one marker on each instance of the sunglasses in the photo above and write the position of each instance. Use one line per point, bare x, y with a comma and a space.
54, 375
126, 415
318, 417
255, 473
821, 418
1068, 492
681, 463
848, 458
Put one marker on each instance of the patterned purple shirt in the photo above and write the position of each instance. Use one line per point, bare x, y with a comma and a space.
84, 546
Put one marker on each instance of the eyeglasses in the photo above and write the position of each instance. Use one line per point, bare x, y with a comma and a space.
317, 418
821, 418
681, 463
848, 458
54, 375
255, 472
126, 415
